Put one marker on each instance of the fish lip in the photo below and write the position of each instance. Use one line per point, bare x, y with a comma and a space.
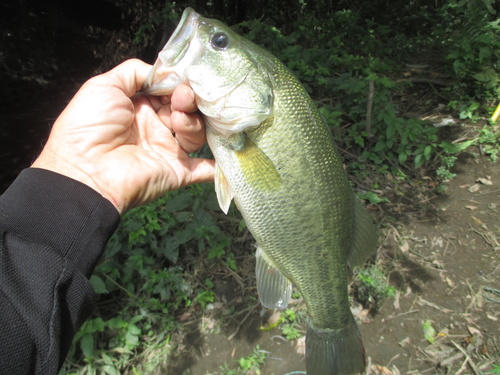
172, 52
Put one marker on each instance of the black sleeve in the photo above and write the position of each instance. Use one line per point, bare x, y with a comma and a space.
53, 231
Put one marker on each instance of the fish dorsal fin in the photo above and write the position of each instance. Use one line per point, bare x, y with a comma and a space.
364, 237
222, 189
275, 290
257, 169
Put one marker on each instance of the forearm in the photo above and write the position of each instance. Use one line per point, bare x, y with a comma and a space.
53, 231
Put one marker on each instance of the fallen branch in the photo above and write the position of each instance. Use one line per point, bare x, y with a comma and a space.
243, 321
449, 361
402, 314
471, 363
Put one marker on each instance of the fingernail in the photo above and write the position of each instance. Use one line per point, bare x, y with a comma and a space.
165, 99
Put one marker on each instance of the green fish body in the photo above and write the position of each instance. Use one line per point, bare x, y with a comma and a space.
276, 158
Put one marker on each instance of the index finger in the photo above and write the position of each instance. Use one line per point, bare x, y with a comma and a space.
183, 99
129, 76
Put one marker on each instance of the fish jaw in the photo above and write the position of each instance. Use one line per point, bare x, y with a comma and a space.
232, 90
181, 50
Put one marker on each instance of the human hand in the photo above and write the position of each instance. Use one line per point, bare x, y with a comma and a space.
121, 143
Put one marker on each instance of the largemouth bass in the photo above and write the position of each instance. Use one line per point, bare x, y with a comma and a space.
275, 156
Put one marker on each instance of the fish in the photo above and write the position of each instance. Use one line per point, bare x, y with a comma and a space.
276, 158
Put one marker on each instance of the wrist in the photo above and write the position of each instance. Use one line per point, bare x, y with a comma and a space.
59, 165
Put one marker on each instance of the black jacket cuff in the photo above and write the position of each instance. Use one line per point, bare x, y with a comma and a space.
64, 214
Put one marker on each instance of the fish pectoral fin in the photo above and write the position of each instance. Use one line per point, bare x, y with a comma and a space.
365, 237
222, 189
257, 169
275, 290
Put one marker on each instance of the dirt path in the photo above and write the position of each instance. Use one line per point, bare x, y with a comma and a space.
450, 260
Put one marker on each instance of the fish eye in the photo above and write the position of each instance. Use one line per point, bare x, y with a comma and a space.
220, 40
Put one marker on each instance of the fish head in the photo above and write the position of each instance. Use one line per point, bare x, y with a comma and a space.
229, 75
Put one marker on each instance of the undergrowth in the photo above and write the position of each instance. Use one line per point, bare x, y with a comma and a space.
140, 286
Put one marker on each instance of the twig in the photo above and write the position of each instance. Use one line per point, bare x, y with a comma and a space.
449, 361
425, 200
491, 273
482, 235
369, 108
368, 367
122, 288
472, 364
392, 359
397, 316
473, 296
422, 301
462, 368
243, 321
487, 192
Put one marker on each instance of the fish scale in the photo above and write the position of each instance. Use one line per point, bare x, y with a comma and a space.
275, 156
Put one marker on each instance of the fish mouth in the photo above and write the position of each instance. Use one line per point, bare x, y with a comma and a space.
167, 72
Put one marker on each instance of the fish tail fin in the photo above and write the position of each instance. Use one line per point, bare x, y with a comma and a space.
335, 352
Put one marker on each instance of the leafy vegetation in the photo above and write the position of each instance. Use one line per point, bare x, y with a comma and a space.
290, 320
139, 277
372, 289
247, 365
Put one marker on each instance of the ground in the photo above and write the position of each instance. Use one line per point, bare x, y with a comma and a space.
441, 253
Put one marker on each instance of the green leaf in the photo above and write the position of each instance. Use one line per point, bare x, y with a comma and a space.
429, 331
87, 344
484, 38
473, 106
181, 202
379, 146
427, 151
110, 370
184, 236
98, 284
496, 369
391, 130
458, 66
484, 53
98, 325
211, 202
131, 339
133, 329
116, 323
209, 283
419, 160
136, 319
372, 197
242, 225
486, 75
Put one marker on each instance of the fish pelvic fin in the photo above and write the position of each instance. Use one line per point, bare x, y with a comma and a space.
335, 352
257, 169
222, 189
275, 290
365, 236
